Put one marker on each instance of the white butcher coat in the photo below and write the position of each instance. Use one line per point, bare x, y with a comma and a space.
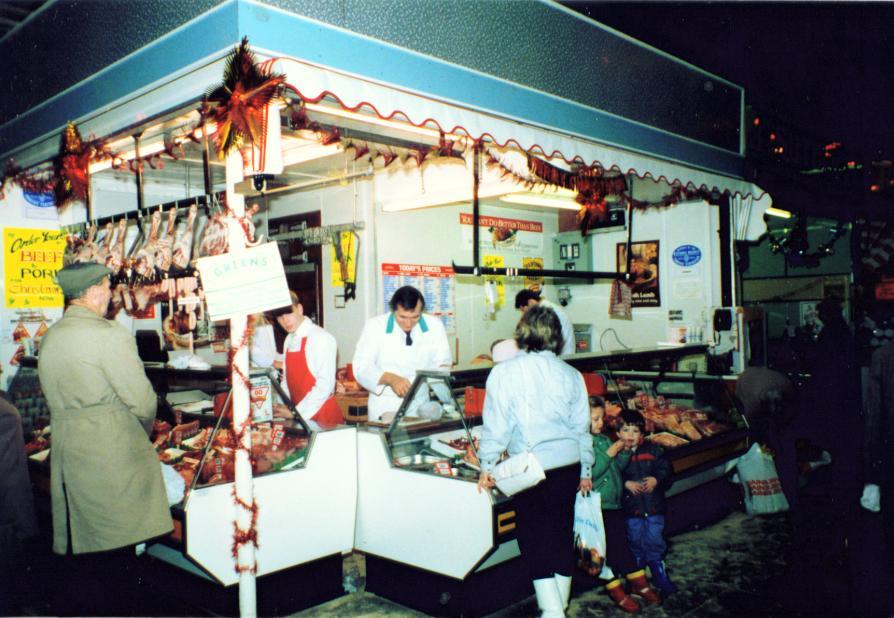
382, 347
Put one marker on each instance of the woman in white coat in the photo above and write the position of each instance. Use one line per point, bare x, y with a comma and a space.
536, 402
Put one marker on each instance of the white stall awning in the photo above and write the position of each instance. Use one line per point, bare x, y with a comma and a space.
365, 98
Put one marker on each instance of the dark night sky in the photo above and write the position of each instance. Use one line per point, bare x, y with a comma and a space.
827, 68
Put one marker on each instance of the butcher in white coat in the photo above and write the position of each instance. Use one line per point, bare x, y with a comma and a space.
394, 346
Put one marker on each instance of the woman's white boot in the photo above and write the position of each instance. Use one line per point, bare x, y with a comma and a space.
563, 583
548, 600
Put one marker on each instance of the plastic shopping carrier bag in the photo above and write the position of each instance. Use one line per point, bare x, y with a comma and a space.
756, 471
589, 535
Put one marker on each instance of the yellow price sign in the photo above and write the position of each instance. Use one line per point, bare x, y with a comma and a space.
533, 263
496, 261
31, 260
344, 260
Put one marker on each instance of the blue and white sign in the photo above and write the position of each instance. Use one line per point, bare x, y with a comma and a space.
687, 255
40, 205
43, 200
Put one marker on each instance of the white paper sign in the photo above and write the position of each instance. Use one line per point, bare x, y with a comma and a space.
688, 288
243, 283
261, 401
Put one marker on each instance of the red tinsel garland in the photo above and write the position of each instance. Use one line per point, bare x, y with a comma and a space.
240, 536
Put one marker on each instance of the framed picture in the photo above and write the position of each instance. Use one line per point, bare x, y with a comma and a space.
644, 267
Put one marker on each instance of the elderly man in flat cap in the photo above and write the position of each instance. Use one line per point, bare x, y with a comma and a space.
106, 483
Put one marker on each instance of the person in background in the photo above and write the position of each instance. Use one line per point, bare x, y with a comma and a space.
17, 521
309, 357
878, 440
394, 346
526, 299
503, 349
107, 491
607, 483
769, 405
646, 475
536, 402
267, 340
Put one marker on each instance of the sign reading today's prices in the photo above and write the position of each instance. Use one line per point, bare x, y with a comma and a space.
242, 283
31, 259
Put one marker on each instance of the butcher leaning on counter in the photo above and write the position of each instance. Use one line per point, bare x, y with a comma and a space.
309, 354
106, 483
394, 346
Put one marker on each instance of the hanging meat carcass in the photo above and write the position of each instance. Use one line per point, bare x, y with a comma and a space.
144, 259
164, 246
183, 245
115, 258
83, 251
104, 248
215, 236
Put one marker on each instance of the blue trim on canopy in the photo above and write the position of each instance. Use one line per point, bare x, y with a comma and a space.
288, 34
299, 37
191, 43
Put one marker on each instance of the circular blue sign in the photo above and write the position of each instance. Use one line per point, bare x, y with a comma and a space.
687, 255
42, 200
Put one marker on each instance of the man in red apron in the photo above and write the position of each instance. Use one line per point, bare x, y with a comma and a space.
309, 354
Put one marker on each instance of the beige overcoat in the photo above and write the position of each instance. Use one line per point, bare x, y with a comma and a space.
105, 476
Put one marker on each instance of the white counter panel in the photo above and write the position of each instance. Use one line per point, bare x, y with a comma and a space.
436, 523
303, 514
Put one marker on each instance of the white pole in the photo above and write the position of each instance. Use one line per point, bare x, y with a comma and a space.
245, 558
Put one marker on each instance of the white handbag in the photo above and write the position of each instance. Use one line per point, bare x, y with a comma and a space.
518, 473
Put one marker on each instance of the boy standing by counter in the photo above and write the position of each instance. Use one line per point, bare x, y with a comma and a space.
646, 476
607, 483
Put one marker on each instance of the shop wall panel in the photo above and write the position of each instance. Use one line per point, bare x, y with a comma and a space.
688, 223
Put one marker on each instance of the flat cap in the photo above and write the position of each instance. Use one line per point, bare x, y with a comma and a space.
74, 279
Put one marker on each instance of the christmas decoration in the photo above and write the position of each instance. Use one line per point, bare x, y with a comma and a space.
72, 169
34, 182
238, 104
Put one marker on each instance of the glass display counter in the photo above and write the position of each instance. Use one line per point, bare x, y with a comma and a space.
432, 540
692, 415
305, 487
303, 480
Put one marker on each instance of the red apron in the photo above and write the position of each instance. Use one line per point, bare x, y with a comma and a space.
300, 381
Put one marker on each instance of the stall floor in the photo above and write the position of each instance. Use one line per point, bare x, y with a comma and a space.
740, 566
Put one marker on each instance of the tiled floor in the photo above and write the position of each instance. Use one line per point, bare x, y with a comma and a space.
722, 570
739, 566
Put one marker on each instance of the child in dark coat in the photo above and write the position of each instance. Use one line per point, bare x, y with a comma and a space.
607, 483
646, 475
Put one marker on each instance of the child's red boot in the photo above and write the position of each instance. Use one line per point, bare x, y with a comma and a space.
639, 586
615, 589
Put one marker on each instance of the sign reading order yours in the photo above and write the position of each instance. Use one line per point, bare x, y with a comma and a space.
241, 283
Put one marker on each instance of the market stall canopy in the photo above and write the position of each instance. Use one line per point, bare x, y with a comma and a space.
528, 73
